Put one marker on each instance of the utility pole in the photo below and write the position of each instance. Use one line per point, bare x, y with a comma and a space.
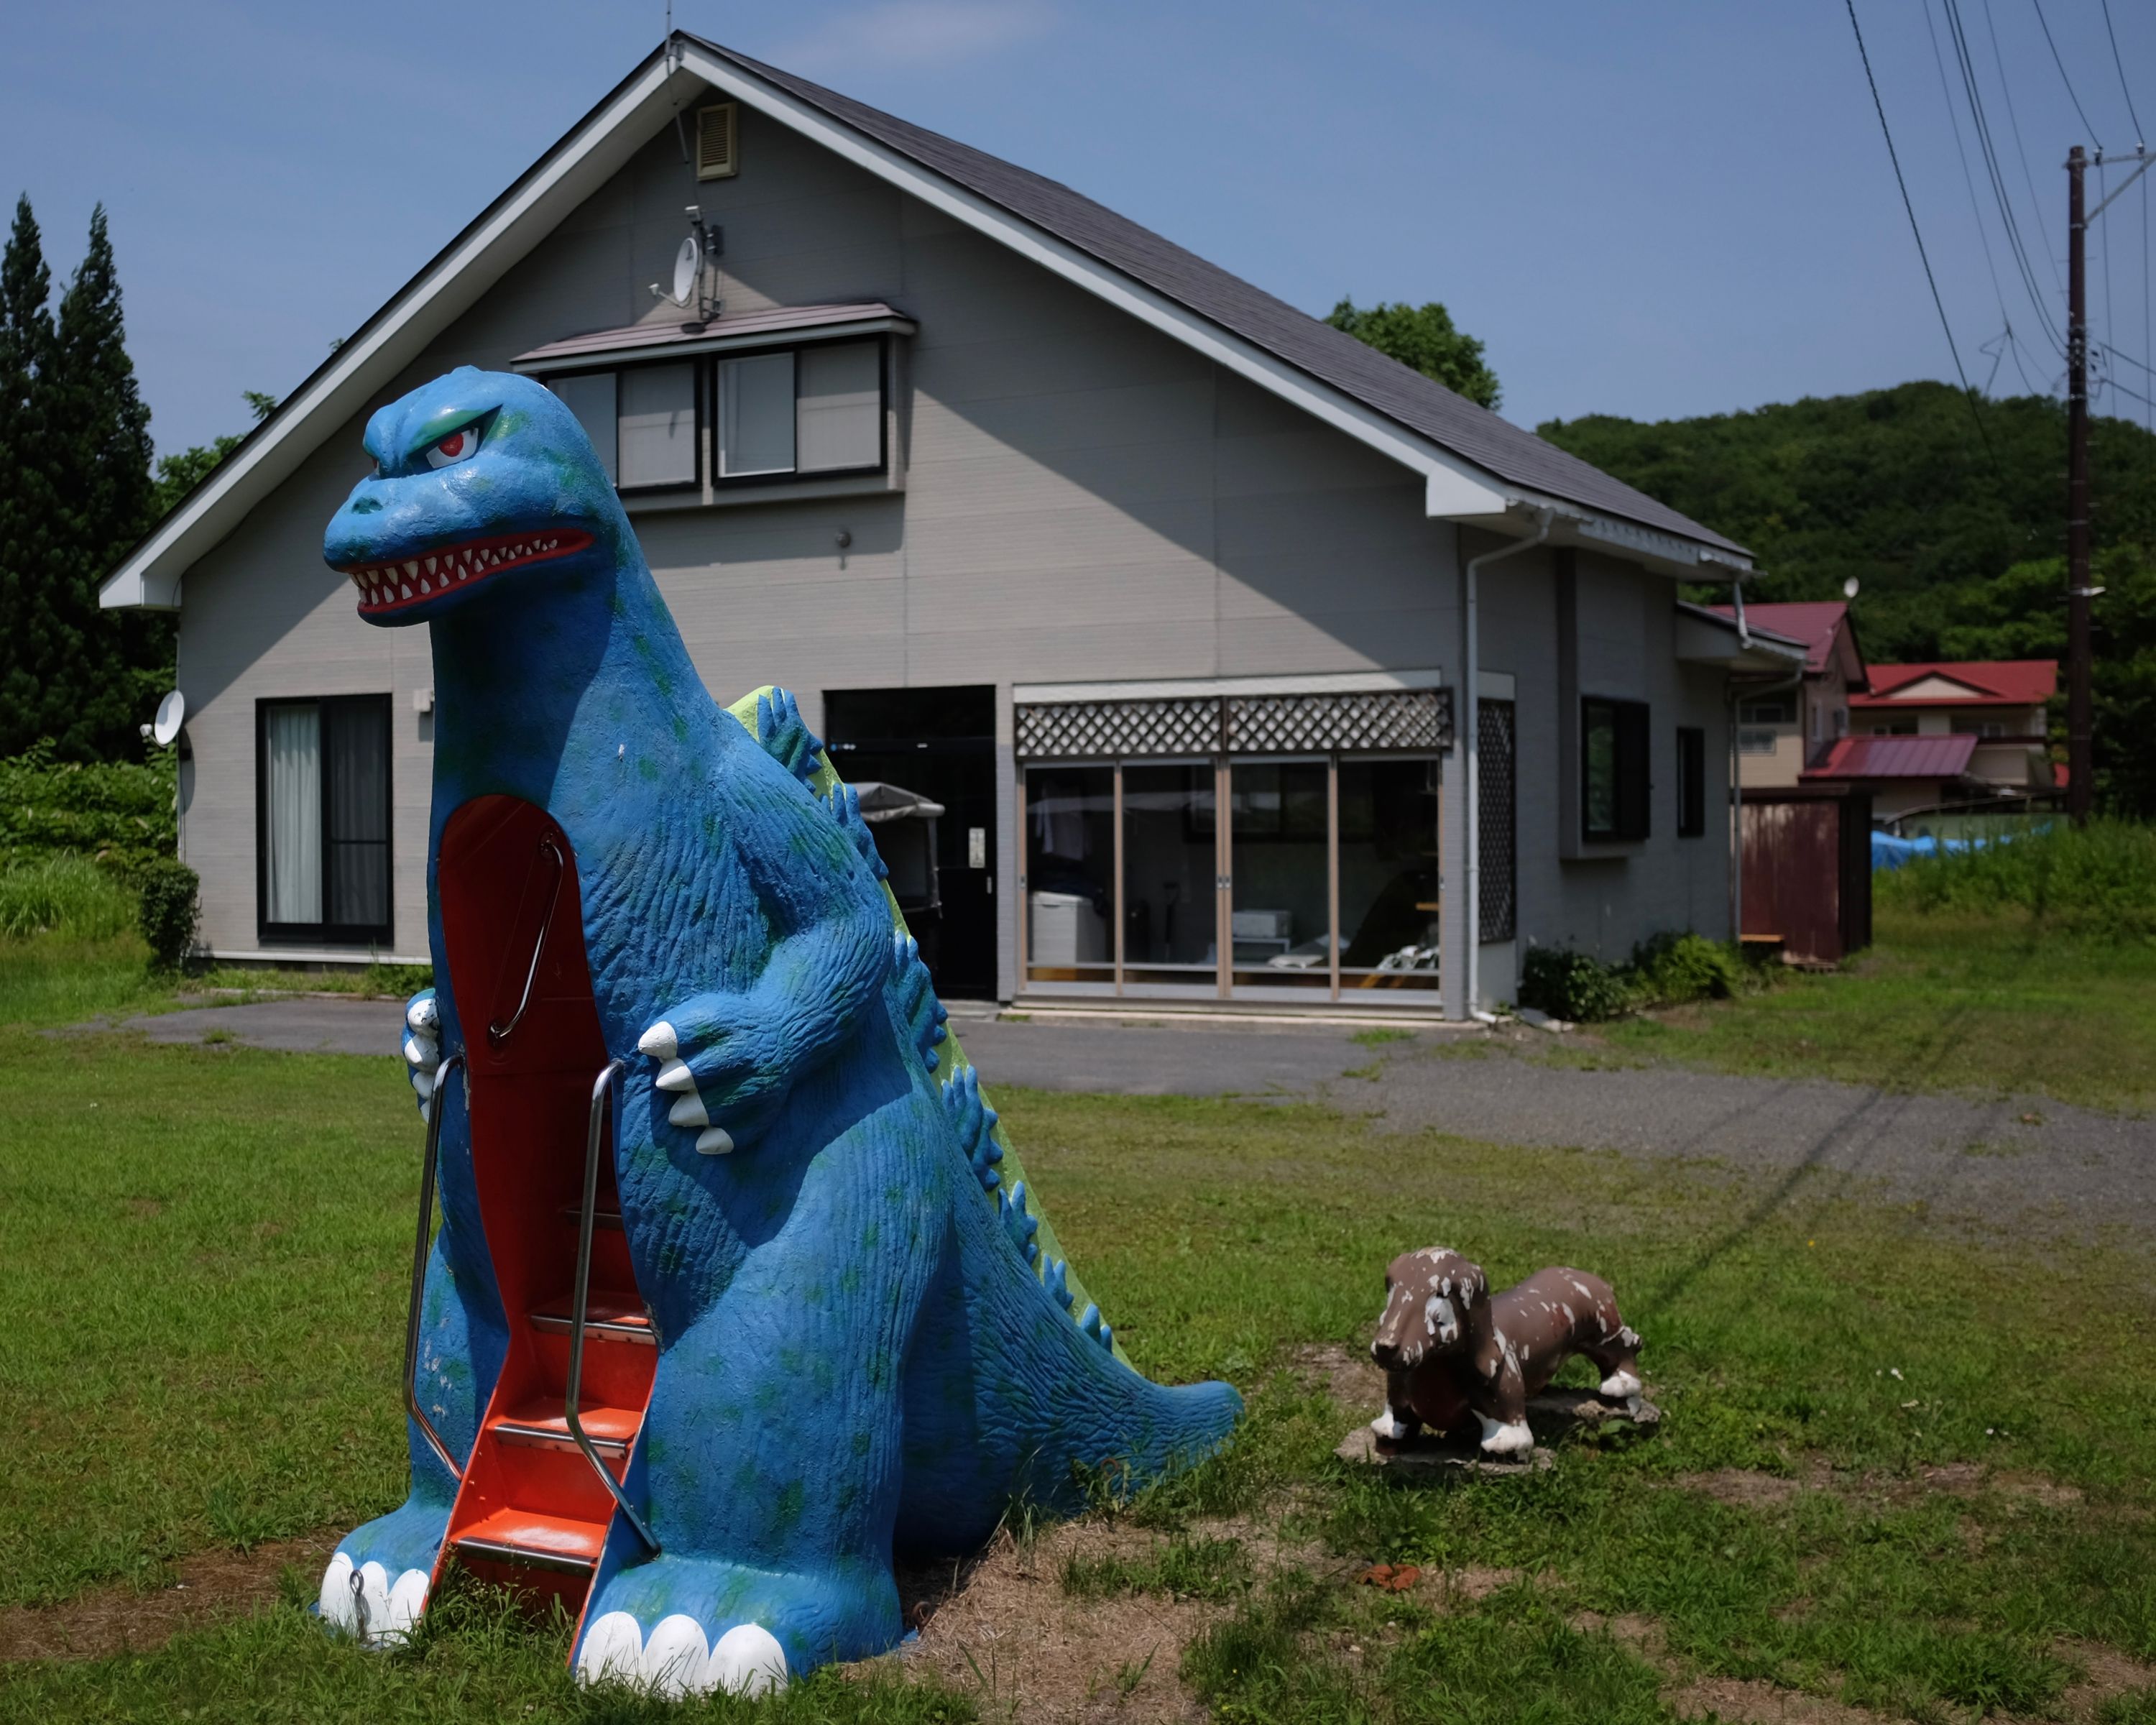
2078, 715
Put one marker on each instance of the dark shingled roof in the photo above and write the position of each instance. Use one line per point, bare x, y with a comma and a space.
1420, 404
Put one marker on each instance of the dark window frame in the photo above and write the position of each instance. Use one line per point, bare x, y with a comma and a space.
1632, 794
1497, 758
1691, 781
328, 933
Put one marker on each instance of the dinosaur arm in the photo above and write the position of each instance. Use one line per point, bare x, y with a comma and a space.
731, 1056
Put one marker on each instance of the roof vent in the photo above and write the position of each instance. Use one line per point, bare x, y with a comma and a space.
715, 157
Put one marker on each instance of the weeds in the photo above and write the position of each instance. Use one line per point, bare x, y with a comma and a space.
66, 896
2099, 880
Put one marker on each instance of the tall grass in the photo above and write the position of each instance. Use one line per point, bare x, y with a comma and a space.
2096, 879
65, 895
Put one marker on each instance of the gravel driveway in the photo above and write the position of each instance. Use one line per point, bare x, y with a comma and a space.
2013, 1160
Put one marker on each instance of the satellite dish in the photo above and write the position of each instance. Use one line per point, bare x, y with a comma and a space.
171, 713
1849, 589
688, 265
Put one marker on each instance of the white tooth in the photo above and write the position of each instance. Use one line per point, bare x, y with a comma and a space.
406, 590
689, 1112
411, 569
464, 574
660, 1042
675, 1075
714, 1141
423, 583
430, 566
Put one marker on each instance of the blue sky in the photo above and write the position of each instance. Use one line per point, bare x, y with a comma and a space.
1653, 209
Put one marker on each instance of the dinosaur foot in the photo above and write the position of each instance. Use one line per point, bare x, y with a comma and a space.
681, 1624
376, 1585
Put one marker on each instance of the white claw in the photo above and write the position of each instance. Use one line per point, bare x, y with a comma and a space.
1387, 1427
1619, 1384
335, 1600
423, 1015
426, 1112
408, 1599
422, 1082
373, 1600
675, 1075
689, 1112
677, 1659
660, 1042
748, 1661
612, 1651
423, 1051
714, 1141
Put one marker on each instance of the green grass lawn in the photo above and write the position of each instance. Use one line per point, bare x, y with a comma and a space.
203, 1249
1990, 1004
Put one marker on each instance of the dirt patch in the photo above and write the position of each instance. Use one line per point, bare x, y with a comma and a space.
1001, 1629
1348, 1375
1748, 1488
2108, 1673
1752, 1702
211, 1585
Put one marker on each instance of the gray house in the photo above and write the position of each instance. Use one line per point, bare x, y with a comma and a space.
1244, 664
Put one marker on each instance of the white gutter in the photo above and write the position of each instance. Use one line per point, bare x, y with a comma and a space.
1471, 737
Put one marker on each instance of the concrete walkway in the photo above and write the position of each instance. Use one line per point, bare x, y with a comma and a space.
2017, 1160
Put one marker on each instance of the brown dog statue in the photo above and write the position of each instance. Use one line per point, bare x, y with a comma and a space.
1450, 1350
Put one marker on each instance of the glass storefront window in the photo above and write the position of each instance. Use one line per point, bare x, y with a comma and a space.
1170, 870
1281, 923
1070, 870
1388, 908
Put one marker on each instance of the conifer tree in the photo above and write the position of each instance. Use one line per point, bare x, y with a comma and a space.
27, 511
81, 494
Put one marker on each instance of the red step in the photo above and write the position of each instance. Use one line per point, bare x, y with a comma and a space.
610, 1317
531, 1538
540, 1420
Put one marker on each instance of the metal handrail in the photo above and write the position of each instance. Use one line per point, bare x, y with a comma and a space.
498, 1033
419, 1247
601, 1089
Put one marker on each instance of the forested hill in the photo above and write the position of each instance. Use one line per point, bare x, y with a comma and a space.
1892, 486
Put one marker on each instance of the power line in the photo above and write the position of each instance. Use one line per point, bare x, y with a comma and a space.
1966, 60
2121, 64
1923, 256
2020, 149
1968, 180
2063, 79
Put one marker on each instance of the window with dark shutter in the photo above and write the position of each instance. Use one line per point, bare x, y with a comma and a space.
1613, 770
1691, 781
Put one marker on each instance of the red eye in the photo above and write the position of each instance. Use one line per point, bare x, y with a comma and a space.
460, 445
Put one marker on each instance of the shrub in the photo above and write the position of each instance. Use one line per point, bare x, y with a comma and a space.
1672, 969
66, 895
169, 910
1572, 985
2100, 879
119, 813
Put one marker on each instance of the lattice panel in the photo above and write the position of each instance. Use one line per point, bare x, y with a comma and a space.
1498, 776
1081, 729
1402, 719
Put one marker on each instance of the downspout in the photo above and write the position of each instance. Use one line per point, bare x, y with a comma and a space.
1471, 740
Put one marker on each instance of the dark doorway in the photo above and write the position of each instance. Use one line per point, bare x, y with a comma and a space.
941, 742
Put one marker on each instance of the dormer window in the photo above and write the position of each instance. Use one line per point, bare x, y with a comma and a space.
749, 401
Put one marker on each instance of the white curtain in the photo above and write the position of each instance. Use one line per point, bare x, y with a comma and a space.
756, 414
294, 825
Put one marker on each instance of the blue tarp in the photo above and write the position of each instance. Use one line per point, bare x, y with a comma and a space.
1889, 852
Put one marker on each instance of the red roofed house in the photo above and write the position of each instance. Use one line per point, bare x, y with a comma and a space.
1783, 729
1927, 735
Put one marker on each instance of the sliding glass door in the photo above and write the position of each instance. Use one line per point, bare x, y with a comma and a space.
1321, 883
